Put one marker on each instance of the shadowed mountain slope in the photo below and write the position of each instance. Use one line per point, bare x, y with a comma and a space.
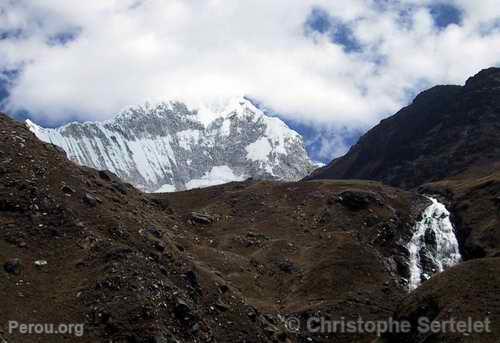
448, 131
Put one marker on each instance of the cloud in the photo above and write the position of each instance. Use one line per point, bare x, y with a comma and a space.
345, 63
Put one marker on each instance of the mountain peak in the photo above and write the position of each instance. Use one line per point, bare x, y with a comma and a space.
489, 77
171, 145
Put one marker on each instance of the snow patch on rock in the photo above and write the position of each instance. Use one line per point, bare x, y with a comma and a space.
166, 189
216, 176
259, 150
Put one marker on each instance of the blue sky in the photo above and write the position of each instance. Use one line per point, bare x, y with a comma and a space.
330, 69
339, 32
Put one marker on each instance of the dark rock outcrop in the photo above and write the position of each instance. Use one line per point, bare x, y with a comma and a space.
447, 131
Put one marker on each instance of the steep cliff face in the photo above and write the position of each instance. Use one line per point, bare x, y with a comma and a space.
170, 146
447, 131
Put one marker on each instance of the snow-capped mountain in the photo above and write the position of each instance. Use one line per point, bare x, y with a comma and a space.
171, 146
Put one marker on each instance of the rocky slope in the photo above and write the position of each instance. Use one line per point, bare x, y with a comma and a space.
466, 292
222, 264
169, 146
81, 246
448, 131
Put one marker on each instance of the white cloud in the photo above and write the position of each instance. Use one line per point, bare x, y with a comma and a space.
131, 51
332, 147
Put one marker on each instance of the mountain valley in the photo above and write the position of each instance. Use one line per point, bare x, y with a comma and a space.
419, 236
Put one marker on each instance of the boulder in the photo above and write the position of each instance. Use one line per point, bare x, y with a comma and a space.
13, 266
201, 218
90, 200
357, 199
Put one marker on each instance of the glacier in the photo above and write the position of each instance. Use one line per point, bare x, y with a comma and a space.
173, 146
434, 246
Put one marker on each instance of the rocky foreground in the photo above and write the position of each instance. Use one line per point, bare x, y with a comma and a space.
224, 264
221, 264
